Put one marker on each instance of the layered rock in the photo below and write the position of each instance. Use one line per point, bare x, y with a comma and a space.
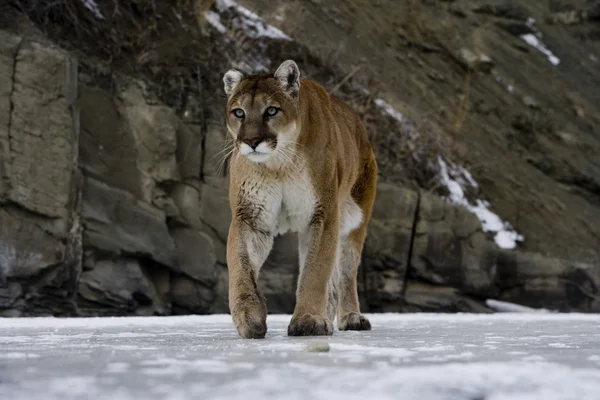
450, 248
115, 203
388, 246
543, 282
40, 236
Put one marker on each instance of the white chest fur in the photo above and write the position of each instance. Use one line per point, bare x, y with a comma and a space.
289, 204
297, 205
284, 205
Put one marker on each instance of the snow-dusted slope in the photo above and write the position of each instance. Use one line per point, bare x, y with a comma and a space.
423, 356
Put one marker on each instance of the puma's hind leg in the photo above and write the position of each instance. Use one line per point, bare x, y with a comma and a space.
349, 317
350, 249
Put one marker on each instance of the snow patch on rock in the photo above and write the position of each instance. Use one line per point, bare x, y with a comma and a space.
249, 22
408, 126
232, 20
455, 179
391, 111
504, 306
535, 41
215, 21
93, 7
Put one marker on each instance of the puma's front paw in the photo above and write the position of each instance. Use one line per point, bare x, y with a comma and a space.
353, 322
310, 325
249, 315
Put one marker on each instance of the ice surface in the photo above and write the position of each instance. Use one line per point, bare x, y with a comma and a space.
521, 356
455, 178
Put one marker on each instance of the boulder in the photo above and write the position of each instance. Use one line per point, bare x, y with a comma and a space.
154, 130
107, 148
129, 143
217, 147
161, 279
215, 211
115, 221
474, 60
9, 293
40, 234
25, 247
205, 206
118, 286
451, 249
220, 304
186, 198
196, 256
37, 169
189, 151
387, 247
279, 274
190, 296
544, 282
425, 297
9, 45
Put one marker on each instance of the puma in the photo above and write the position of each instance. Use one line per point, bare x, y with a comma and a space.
301, 162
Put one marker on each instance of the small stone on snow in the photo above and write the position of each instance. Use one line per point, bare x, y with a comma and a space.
318, 347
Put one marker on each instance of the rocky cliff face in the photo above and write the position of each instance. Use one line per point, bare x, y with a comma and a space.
113, 189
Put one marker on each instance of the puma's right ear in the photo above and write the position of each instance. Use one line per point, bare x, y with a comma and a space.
288, 75
231, 79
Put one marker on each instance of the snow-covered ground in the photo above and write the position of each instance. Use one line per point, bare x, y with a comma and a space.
406, 356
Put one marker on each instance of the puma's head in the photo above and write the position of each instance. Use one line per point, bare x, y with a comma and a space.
263, 111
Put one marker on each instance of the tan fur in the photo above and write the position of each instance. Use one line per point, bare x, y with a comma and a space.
315, 174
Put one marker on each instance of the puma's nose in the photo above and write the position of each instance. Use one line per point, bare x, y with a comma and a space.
253, 142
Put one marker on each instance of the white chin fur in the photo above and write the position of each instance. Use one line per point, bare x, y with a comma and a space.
261, 154
258, 157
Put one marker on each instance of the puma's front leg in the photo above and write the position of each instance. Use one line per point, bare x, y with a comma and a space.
247, 250
318, 248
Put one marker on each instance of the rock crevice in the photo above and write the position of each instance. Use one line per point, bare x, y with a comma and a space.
11, 106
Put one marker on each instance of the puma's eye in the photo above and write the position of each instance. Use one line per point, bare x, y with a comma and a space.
272, 111
238, 112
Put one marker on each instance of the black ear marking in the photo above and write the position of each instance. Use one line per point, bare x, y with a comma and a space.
288, 75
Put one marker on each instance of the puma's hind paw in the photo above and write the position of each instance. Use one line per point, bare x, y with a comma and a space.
354, 322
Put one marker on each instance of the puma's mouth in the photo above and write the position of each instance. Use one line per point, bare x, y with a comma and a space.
258, 156
257, 152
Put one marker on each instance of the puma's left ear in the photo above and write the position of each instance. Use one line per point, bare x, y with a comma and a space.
231, 79
288, 76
